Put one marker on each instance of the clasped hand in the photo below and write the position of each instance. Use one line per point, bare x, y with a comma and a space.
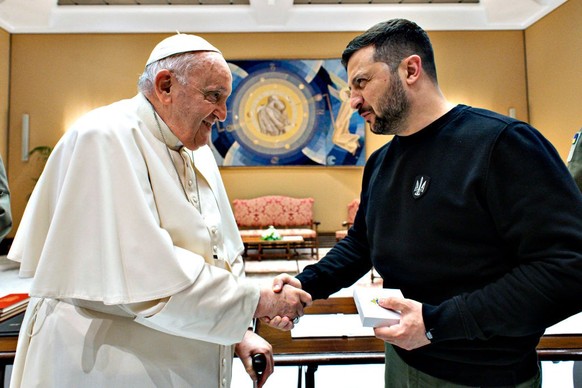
282, 302
409, 334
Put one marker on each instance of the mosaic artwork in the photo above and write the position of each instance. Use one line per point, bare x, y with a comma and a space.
289, 113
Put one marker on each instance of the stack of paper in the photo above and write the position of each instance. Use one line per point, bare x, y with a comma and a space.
330, 325
571, 326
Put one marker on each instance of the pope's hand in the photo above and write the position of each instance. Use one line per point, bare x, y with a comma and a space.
281, 282
250, 345
288, 302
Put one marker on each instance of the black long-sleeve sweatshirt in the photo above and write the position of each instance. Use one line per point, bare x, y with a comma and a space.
477, 217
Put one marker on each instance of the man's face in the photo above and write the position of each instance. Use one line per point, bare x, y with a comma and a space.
201, 102
377, 93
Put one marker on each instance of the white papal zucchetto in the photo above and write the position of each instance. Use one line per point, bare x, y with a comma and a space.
177, 44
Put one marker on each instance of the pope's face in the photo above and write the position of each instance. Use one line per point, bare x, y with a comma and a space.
201, 101
377, 93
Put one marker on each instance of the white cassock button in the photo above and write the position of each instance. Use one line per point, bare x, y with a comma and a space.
223, 362
224, 382
190, 183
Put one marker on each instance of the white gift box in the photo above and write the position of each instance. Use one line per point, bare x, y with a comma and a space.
372, 314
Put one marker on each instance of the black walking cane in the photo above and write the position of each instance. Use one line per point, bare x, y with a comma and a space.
259, 365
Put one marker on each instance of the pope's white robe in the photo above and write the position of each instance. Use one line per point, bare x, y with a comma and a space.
129, 287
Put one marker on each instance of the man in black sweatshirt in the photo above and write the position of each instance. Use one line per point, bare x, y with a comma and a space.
473, 215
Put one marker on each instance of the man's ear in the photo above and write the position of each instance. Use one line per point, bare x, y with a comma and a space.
413, 68
163, 85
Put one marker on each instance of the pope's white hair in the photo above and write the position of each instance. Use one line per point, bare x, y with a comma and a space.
180, 65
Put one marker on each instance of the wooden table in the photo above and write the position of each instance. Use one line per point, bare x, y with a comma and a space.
309, 353
288, 245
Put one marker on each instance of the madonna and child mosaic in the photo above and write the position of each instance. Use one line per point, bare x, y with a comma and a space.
289, 113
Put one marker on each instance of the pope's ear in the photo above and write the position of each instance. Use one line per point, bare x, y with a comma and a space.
163, 84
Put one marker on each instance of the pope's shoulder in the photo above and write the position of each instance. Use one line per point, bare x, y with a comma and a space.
113, 120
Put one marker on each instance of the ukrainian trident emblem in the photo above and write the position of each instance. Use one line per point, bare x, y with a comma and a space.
420, 187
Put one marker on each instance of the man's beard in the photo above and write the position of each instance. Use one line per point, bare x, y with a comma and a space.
393, 110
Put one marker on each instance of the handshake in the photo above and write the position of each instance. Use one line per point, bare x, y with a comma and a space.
282, 303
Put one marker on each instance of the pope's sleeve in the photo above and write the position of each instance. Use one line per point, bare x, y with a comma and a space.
209, 310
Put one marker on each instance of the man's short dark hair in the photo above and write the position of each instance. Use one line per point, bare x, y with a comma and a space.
393, 41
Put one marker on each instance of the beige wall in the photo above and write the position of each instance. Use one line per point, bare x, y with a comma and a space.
4, 90
55, 78
554, 72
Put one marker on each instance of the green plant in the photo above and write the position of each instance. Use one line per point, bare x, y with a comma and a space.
43, 151
271, 234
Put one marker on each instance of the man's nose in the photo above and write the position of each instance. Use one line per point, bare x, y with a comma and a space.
356, 101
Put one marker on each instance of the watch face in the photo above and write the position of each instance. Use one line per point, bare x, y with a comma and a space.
285, 113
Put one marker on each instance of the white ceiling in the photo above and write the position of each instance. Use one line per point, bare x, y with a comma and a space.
45, 16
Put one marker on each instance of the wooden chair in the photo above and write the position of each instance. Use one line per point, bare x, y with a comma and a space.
352, 210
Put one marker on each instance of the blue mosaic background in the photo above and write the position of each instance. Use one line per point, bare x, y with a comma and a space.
289, 113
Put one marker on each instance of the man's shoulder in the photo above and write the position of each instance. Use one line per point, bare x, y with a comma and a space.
490, 119
487, 116
481, 124
378, 154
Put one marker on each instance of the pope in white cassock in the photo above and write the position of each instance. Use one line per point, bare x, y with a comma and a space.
135, 253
